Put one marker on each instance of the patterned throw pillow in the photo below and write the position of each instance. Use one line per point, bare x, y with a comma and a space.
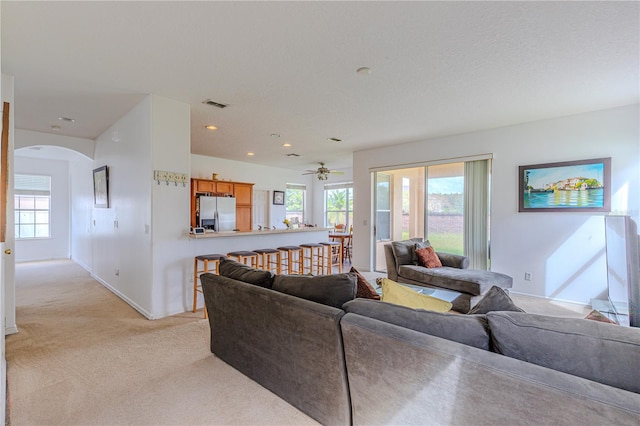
365, 289
597, 316
427, 257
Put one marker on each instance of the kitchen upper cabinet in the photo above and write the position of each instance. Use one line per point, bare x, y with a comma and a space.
225, 187
202, 185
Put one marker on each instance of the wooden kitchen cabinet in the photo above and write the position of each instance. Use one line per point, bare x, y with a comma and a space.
244, 218
242, 191
202, 185
225, 187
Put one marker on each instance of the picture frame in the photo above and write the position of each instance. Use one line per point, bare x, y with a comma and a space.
278, 198
568, 186
101, 187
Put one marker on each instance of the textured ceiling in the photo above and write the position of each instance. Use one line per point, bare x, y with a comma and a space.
289, 68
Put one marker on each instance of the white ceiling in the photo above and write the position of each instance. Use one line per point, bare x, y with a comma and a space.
289, 68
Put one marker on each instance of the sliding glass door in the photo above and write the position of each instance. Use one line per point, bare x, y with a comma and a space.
446, 203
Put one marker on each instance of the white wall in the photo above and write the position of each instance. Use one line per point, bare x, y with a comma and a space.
57, 246
26, 138
81, 211
264, 177
170, 210
121, 249
563, 251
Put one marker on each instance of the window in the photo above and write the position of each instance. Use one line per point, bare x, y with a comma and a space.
32, 198
338, 201
295, 202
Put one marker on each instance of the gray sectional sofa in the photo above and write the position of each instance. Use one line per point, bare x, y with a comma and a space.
371, 362
472, 284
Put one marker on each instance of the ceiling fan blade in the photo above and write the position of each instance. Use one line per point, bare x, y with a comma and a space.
336, 172
310, 172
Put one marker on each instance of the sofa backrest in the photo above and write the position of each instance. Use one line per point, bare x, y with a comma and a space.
605, 353
289, 345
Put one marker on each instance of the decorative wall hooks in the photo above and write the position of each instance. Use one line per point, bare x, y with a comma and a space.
175, 177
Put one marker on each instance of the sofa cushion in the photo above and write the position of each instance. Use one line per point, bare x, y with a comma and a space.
364, 289
472, 330
588, 349
403, 251
332, 290
472, 281
496, 299
241, 272
395, 293
428, 258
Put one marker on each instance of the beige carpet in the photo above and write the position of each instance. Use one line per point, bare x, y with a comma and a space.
84, 357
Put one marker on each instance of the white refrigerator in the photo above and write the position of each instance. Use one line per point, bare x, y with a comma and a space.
218, 213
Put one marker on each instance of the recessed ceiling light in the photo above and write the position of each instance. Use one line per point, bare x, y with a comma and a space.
211, 127
55, 127
67, 119
364, 71
286, 144
251, 154
334, 139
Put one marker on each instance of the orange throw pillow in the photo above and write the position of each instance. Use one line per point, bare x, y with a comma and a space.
427, 257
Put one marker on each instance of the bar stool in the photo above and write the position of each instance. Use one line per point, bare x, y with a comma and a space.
313, 257
290, 256
334, 252
268, 259
206, 259
249, 258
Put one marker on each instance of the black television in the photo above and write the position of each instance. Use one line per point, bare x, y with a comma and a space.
623, 269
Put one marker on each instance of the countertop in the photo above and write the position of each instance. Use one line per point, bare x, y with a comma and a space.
225, 234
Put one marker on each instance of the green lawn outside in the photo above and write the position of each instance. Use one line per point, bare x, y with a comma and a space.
446, 243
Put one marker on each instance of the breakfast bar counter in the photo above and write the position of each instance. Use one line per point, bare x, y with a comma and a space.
228, 241
264, 232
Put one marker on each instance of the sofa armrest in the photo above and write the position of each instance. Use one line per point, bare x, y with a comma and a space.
392, 267
453, 260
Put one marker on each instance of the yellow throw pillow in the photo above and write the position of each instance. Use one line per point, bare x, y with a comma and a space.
395, 293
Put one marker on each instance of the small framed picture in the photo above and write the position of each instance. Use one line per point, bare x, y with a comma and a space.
101, 187
278, 197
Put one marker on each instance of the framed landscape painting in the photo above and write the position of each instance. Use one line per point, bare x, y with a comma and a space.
101, 187
570, 186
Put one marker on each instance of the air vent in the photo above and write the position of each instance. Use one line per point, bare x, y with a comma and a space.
334, 139
214, 104
293, 155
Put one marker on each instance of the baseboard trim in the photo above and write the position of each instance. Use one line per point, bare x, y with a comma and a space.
550, 299
130, 302
10, 330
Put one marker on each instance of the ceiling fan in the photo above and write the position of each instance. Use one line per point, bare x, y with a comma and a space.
323, 172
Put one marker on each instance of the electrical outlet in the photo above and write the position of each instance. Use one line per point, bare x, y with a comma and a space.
527, 276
